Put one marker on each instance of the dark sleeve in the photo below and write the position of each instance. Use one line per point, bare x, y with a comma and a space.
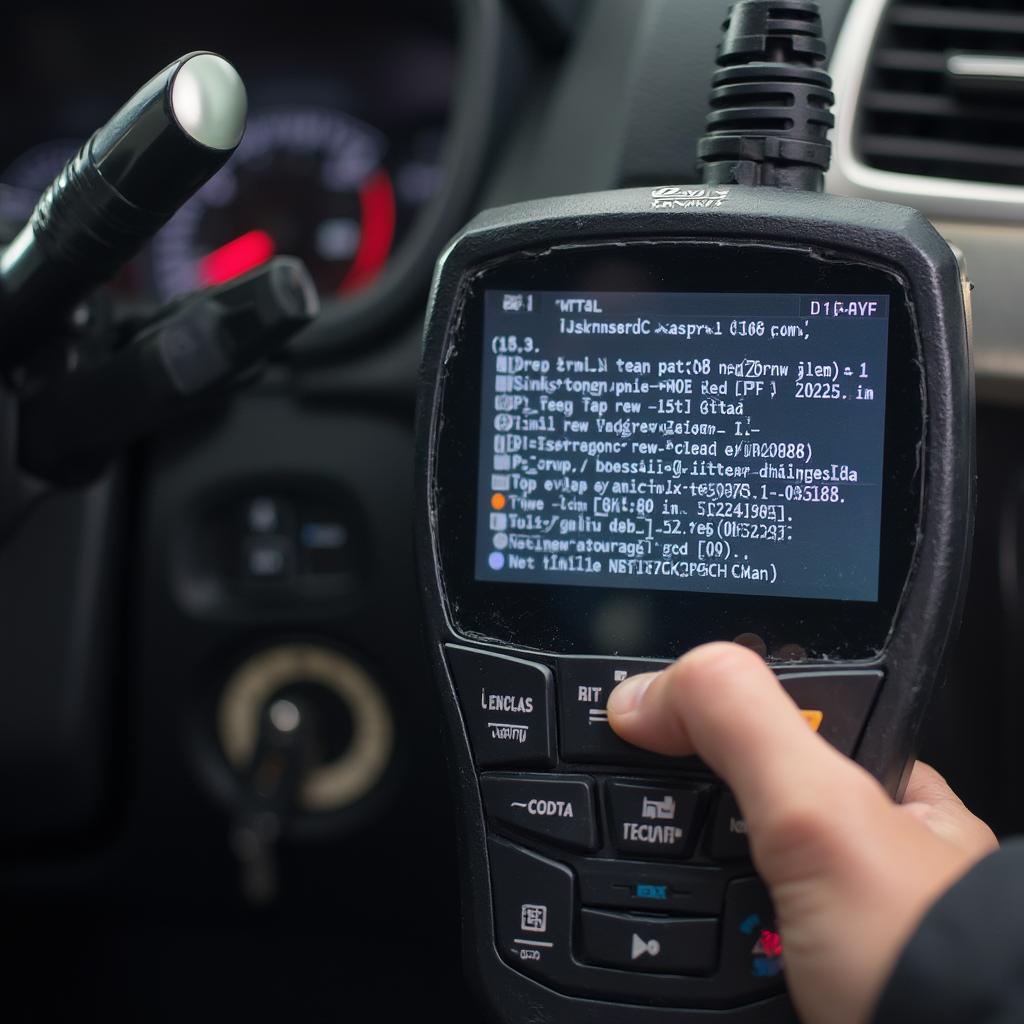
965, 963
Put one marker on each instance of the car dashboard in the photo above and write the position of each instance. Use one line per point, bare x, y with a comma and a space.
264, 544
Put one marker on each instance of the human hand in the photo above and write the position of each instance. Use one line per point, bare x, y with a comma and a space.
850, 873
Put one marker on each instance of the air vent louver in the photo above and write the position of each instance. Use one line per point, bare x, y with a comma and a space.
920, 115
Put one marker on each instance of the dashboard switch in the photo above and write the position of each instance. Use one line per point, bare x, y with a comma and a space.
506, 703
634, 943
728, 834
532, 910
558, 810
835, 704
583, 688
652, 819
751, 948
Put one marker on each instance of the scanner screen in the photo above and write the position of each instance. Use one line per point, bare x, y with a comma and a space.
726, 443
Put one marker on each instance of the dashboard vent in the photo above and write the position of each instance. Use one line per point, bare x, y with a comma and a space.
944, 93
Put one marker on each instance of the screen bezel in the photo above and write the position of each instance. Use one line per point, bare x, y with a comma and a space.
567, 619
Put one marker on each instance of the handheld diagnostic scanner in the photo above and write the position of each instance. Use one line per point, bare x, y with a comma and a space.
651, 418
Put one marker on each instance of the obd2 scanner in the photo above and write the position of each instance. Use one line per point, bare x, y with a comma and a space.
651, 418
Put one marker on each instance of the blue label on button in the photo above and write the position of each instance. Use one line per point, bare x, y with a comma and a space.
323, 536
652, 892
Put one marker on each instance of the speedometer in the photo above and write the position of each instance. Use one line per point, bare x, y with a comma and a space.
305, 182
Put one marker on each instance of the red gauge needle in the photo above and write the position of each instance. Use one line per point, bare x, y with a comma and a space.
234, 258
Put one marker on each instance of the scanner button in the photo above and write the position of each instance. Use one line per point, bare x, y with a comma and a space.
636, 943
813, 718
727, 839
506, 703
532, 910
841, 701
558, 810
586, 737
751, 963
651, 888
653, 820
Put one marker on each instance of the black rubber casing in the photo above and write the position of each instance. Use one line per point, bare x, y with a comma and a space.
892, 237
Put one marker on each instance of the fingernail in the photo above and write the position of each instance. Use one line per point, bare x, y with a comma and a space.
627, 695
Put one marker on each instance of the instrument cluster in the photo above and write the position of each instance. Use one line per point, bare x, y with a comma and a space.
342, 151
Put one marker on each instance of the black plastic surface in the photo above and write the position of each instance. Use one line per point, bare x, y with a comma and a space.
654, 819
771, 105
59, 571
911, 654
556, 808
535, 930
659, 621
651, 888
144, 154
666, 945
508, 705
106, 202
906, 241
843, 698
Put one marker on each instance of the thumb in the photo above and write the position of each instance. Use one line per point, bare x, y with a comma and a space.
722, 702
929, 799
850, 873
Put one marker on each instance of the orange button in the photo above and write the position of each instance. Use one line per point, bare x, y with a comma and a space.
813, 718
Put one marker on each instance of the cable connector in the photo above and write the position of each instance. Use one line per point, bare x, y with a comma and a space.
771, 102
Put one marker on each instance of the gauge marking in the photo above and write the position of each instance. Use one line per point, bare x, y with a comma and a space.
306, 182
377, 200
237, 257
